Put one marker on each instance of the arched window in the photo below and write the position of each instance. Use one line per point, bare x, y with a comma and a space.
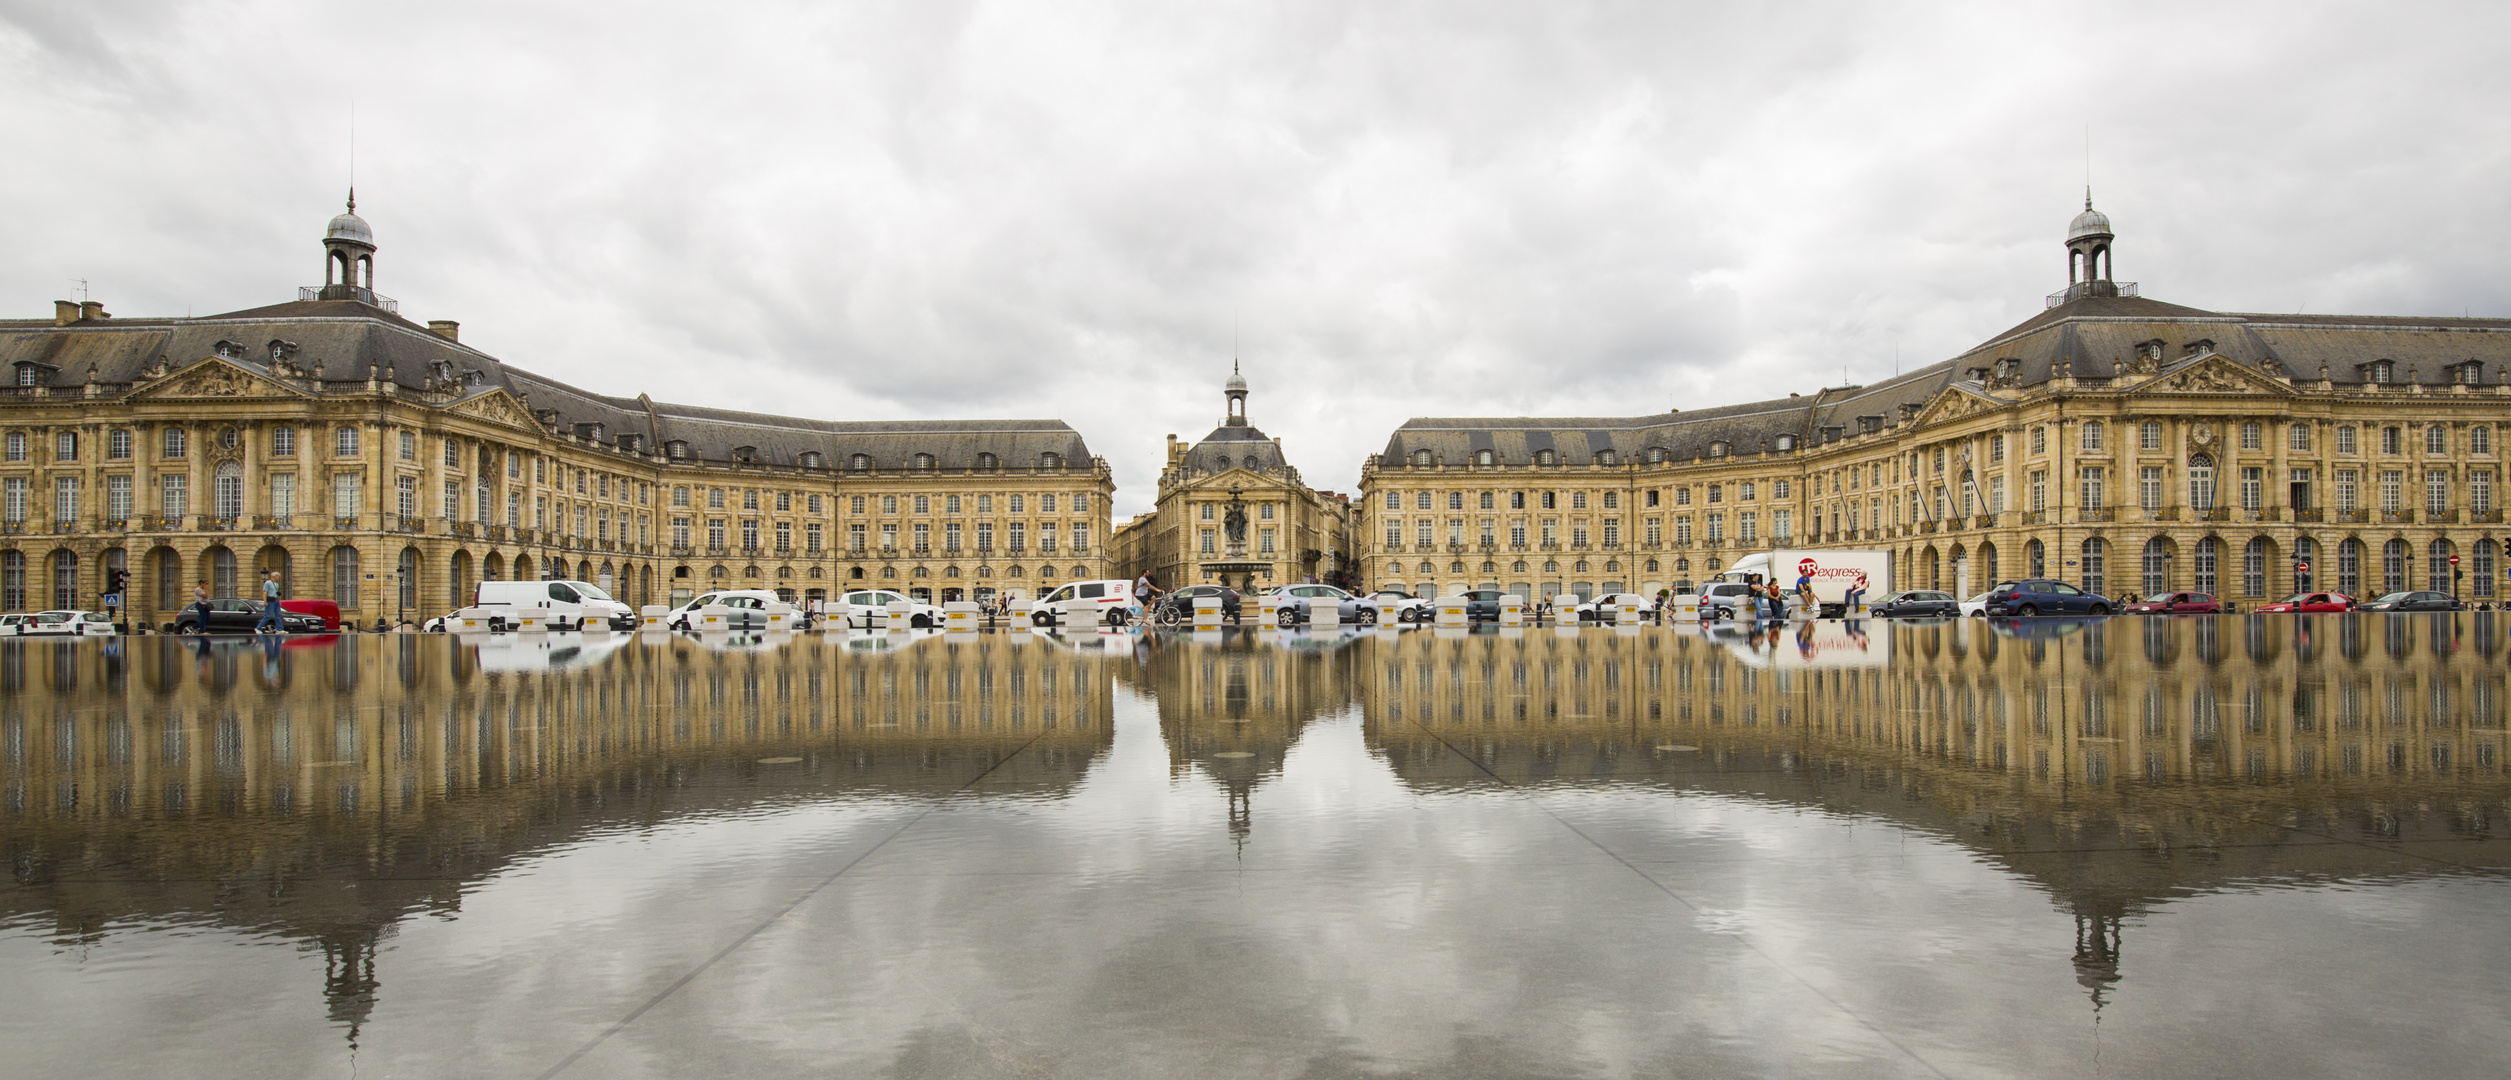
2437, 567
2208, 564
2305, 553
2035, 560
1485, 457
2254, 567
65, 588
227, 491
2201, 482
2393, 566
2480, 573
860, 463
2096, 568
1546, 457
13, 579
2157, 567
344, 576
2350, 567
221, 572
1421, 459
408, 576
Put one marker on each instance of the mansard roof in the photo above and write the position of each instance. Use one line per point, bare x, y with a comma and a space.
349, 339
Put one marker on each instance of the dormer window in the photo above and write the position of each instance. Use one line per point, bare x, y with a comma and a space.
2380, 371
279, 349
860, 463
811, 459
1868, 425
987, 462
230, 350
1543, 457
1607, 457
2470, 373
676, 449
745, 453
1656, 455
2197, 348
1786, 443
1050, 460
2150, 350
923, 461
589, 430
2009, 368
1717, 449
28, 373
1421, 459
1485, 457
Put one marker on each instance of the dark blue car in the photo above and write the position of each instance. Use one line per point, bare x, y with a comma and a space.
2043, 596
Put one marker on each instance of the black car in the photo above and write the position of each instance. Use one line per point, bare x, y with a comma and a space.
1177, 608
238, 617
2410, 601
2043, 596
1482, 604
1918, 604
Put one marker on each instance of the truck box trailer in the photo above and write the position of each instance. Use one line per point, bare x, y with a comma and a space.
1832, 574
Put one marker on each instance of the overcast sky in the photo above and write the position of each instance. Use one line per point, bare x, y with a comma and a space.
1082, 209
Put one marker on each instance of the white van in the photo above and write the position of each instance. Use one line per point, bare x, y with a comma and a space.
568, 605
1113, 599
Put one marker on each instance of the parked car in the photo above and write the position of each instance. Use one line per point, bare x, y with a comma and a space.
2042, 596
2310, 602
326, 610
1112, 598
747, 609
1602, 608
1306, 603
2180, 603
1719, 599
235, 616
1402, 606
1917, 604
566, 604
2410, 601
1977, 606
867, 608
1482, 605
58, 624
1176, 608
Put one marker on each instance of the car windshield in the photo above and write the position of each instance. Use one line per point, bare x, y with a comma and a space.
2296, 598
2392, 597
592, 591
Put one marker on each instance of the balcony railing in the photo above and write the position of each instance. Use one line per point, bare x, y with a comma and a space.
2214, 513
2397, 517
2485, 517
1984, 521
2082, 289
2162, 513
358, 293
2353, 517
2441, 517
2310, 514
273, 522
2102, 514
161, 523
344, 523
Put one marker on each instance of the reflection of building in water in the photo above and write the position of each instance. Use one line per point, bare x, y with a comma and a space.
325, 794
2115, 764
1233, 701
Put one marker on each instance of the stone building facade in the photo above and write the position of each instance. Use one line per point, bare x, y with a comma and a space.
1232, 511
390, 467
2114, 440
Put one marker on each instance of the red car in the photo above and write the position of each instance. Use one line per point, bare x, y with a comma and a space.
2180, 603
328, 610
2312, 601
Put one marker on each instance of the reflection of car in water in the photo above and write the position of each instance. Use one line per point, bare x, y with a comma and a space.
1604, 608
58, 624
540, 652
1402, 606
2309, 602
2410, 601
237, 617
1807, 643
2033, 597
869, 608
2180, 603
2036, 629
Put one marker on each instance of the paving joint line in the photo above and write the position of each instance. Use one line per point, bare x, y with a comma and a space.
684, 980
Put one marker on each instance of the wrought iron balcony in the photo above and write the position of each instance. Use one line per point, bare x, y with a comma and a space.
2082, 289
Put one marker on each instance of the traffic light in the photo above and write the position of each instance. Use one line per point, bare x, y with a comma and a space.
117, 580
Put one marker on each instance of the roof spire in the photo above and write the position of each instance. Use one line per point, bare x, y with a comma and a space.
353, 199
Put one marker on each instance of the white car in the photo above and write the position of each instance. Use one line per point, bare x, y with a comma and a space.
1601, 609
58, 624
746, 609
1977, 606
1112, 598
868, 608
1404, 607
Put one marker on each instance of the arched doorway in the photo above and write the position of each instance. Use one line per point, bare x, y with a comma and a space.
344, 583
166, 569
2207, 567
274, 557
2393, 565
2035, 559
406, 576
64, 578
458, 583
2439, 575
2096, 566
493, 567
2256, 557
221, 564
2350, 566
2156, 566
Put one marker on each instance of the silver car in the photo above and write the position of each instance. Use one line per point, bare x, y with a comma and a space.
1300, 601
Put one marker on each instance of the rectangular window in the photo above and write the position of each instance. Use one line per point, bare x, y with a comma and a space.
1019, 536
1996, 494
117, 498
409, 446
950, 536
1996, 447
2349, 495
453, 499
1207, 542
2252, 436
716, 534
1395, 534
858, 537
1264, 541
1455, 530
13, 504
1717, 528
2093, 495
345, 442
2149, 488
2039, 441
1394, 500
1780, 526
2392, 490
177, 445
1019, 504
1653, 530
1612, 533
750, 534
923, 535
2390, 442
923, 504
2480, 490
2437, 490
1428, 530
174, 495
65, 446
1682, 528
2345, 439
1046, 505
2253, 488
2092, 435
784, 535
118, 446
514, 509
2299, 438
2040, 491
1046, 537
1517, 532
405, 490
680, 532
1745, 528
811, 537
985, 536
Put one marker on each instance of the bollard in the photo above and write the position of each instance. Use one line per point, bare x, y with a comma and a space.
1207, 612
531, 620
1684, 608
1625, 611
959, 615
650, 617
780, 620
1512, 610
1269, 609
901, 615
1084, 617
1451, 611
469, 620
1565, 614
1023, 611
712, 617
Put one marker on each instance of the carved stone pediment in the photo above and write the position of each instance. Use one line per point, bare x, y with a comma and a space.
2213, 374
216, 378
1954, 404
496, 407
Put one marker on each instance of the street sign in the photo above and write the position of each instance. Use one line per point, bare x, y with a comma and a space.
2301, 568
2454, 560
110, 600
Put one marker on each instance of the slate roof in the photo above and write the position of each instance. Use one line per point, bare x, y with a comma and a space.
2092, 336
348, 338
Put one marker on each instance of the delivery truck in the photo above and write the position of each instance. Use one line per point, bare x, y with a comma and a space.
1832, 574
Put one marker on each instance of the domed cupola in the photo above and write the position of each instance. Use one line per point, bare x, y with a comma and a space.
2088, 257
349, 257
1236, 389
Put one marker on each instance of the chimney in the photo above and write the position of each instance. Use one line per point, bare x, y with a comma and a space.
445, 328
92, 309
64, 312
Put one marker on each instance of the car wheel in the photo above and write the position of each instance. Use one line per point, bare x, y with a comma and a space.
2101, 609
919, 622
2028, 610
1116, 617
1042, 618
1290, 617
1366, 616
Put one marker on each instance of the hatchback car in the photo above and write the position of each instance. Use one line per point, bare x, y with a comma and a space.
1977, 606
2310, 602
744, 609
869, 608
2042, 596
1602, 608
2410, 601
1402, 606
1917, 604
2180, 603
1307, 603
62, 624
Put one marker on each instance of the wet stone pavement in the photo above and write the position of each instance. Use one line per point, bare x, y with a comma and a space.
2199, 846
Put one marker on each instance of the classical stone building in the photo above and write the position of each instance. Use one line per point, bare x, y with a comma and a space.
389, 466
2114, 440
1232, 511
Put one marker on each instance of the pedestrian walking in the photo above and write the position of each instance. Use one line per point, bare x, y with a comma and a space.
269, 622
200, 604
